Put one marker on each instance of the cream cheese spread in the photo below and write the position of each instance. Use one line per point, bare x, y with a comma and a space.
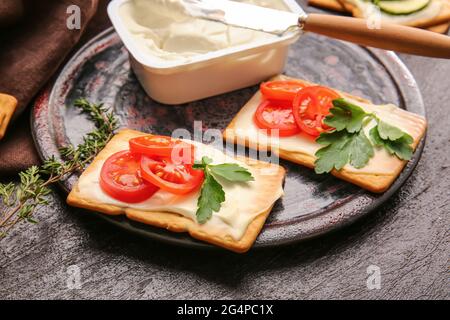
162, 29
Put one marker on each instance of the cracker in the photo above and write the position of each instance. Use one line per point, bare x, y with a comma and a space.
334, 5
8, 105
373, 182
268, 184
438, 24
442, 17
439, 28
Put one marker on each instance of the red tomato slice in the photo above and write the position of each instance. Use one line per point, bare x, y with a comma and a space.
163, 146
281, 89
315, 100
313, 127
120, 178
310, 106
175, 178
325, 97
276, 115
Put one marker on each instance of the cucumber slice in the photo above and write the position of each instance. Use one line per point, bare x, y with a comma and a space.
402, 7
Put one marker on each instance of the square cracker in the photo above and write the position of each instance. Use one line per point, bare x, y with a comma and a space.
439, 28
175, 222
438, 24
442, 17
8, 105
373, 182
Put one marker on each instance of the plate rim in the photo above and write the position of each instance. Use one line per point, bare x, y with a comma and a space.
389, 61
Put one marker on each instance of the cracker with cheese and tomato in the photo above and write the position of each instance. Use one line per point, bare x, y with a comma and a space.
330, 131
431, 14
181, 186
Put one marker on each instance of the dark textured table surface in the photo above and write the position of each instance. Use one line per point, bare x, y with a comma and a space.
70, 254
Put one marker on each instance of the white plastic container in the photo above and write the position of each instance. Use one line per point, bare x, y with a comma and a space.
209, 74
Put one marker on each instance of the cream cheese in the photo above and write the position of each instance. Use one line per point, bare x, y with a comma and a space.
234, 216
370, 11
382, 163
161, 29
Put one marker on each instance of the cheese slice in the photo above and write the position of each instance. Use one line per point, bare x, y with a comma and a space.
243, 201
243, 130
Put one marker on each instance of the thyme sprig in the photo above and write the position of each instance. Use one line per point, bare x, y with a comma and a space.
20, 201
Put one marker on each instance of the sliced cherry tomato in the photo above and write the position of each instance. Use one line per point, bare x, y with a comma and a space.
163, 146
120, 178
281, 89
310, 106
315, 100
325, 97
313, 127
178, 178
276, 115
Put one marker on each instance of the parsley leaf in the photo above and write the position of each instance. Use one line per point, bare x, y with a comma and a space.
211, 198
203, 163
333, 155
375, 137
341, 148
349, 144
232, 172
389, 132
360, 150
212, 194
345, 115
400, 147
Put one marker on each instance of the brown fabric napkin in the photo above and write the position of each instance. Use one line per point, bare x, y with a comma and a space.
35, 42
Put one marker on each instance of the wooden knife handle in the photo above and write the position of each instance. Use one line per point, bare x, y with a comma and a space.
389, 36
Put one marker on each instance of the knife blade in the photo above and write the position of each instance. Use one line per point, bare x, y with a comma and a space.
245, 15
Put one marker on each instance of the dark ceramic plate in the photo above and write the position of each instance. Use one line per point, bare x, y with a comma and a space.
312, 205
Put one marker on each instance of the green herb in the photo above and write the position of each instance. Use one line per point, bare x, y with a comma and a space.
211, 198
231, 172
345, 115
341, 148
389, 132
400, 147
349, 144
212, 194
32, 191
6, 192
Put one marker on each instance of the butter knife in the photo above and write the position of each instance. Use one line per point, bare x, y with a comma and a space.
385, 36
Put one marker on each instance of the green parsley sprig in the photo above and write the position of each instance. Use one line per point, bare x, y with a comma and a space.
348, 143
21, 200
212, 194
